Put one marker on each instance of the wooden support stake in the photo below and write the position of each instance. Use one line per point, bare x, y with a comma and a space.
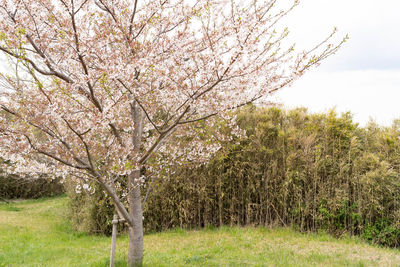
114, 239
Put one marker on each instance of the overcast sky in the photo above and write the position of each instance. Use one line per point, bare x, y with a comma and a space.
364, 76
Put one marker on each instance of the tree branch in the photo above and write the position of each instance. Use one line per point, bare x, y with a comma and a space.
132, 18
79, 167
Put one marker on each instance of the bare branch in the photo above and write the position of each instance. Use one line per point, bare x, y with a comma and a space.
198, 119
89, 156
79, 167
133, 17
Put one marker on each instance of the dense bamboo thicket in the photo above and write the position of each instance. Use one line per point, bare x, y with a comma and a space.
310, 171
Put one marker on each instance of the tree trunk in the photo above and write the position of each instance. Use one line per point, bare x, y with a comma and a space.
135, 231
135, 252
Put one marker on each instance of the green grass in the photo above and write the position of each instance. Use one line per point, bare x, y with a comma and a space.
36, 233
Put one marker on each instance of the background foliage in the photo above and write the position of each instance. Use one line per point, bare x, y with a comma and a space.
13, 186
91, 213
311, 171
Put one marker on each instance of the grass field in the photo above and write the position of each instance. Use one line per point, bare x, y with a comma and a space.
36, 233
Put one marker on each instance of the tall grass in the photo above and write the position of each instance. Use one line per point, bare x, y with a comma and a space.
311, 171
308, 171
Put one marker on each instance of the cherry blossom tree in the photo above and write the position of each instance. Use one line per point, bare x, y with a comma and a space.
95, 88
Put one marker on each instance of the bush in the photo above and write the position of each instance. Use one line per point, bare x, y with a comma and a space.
91, 213
12, 187
383, 232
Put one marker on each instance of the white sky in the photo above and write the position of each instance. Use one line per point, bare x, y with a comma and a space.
364, 76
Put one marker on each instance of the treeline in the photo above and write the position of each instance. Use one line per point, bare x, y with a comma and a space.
309, 171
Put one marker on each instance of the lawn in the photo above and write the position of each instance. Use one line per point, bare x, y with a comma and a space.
36, 233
